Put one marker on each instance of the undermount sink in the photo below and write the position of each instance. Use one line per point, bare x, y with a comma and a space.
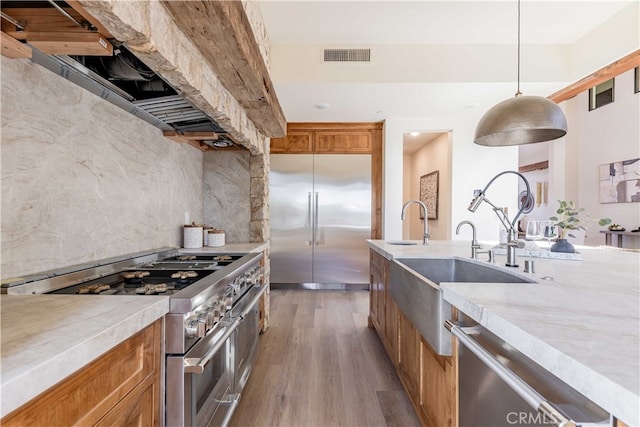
401, 242
415, 285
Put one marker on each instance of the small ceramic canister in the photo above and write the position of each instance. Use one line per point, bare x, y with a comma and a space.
192, 236
215, 237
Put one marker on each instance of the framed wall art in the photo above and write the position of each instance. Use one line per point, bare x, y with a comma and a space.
429, 194
620, 182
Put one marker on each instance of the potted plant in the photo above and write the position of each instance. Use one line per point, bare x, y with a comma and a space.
568, 220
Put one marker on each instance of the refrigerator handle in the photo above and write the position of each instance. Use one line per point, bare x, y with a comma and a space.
309, 240
315, 222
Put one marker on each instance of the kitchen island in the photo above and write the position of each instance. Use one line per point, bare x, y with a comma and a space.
47, 338
580, 320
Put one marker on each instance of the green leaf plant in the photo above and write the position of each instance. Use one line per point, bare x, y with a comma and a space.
569, 219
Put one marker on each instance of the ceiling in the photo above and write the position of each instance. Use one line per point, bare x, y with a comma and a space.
441, 21
296, 28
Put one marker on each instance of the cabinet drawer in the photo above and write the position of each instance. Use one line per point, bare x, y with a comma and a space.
87, 395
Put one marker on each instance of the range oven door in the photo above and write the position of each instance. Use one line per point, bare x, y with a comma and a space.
199, 388
245, 338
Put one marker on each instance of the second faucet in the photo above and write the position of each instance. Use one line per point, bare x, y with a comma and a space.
425, 234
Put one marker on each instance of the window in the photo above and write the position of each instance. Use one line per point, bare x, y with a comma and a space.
636, 79
601, 94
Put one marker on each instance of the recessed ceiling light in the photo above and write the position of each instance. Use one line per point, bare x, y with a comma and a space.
471, 105
414, 133
321, 106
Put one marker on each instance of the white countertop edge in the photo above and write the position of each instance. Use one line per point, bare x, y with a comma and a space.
612, 397
39, 378
229, 248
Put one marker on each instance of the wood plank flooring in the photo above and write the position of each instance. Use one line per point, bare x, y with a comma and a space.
320, 365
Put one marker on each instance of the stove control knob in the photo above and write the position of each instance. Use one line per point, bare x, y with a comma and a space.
210, 319
216, 314
196, 329
228, 302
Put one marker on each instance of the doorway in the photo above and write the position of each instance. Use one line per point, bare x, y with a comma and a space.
425, 153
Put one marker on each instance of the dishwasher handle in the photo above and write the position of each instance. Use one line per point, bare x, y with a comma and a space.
524, 390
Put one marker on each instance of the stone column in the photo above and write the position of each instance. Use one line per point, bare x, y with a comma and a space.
259, 226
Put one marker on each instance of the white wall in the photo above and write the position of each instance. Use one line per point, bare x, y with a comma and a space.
83, 180
472, 166
607, 134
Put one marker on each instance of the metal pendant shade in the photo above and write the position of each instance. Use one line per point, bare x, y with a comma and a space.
521, 120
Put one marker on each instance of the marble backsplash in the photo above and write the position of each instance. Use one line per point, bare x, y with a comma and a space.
82, 179
227, 185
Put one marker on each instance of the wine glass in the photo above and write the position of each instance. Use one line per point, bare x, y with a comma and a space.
534, 230
549, 231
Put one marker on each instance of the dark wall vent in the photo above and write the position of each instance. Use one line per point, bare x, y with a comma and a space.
347, 55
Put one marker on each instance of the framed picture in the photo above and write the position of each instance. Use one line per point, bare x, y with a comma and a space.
429, 194
620, 182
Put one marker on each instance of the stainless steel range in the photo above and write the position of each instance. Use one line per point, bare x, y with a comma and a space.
211, 330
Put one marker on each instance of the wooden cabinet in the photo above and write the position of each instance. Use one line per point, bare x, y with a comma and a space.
409, 356
429, 379
300, 142
438, 387
376, 290
343, 142
383, 311
329, 138
122, 387
390, 322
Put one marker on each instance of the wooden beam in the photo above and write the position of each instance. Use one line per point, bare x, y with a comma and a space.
176, 137
12, 48
195, 136
222, 32
89, 18
534, 167
71, 43
41, 20
602, 75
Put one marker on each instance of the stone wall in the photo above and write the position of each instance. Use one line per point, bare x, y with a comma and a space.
226, 193
83, 180
148, 31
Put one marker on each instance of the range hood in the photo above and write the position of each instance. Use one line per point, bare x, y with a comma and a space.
126, 82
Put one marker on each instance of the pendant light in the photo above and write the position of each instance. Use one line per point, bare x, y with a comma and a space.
521, 120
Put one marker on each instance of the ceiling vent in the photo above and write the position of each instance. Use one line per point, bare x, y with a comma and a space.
347, 55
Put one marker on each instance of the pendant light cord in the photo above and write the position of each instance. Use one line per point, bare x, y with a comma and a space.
518, 93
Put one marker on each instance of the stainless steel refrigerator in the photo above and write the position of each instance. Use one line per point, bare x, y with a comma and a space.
320, 218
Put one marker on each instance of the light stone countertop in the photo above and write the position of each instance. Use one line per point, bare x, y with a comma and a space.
229, 248
583, 326
45, 338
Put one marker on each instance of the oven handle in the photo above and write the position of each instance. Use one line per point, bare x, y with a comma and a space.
193, 365
234, 403
253, 302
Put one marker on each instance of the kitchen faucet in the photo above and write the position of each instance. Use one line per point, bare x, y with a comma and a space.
513, 243
474, 243
425, 234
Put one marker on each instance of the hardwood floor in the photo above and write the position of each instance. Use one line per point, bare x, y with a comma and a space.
319, 365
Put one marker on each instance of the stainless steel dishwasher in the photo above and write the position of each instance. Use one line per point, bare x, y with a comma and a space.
499, 386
